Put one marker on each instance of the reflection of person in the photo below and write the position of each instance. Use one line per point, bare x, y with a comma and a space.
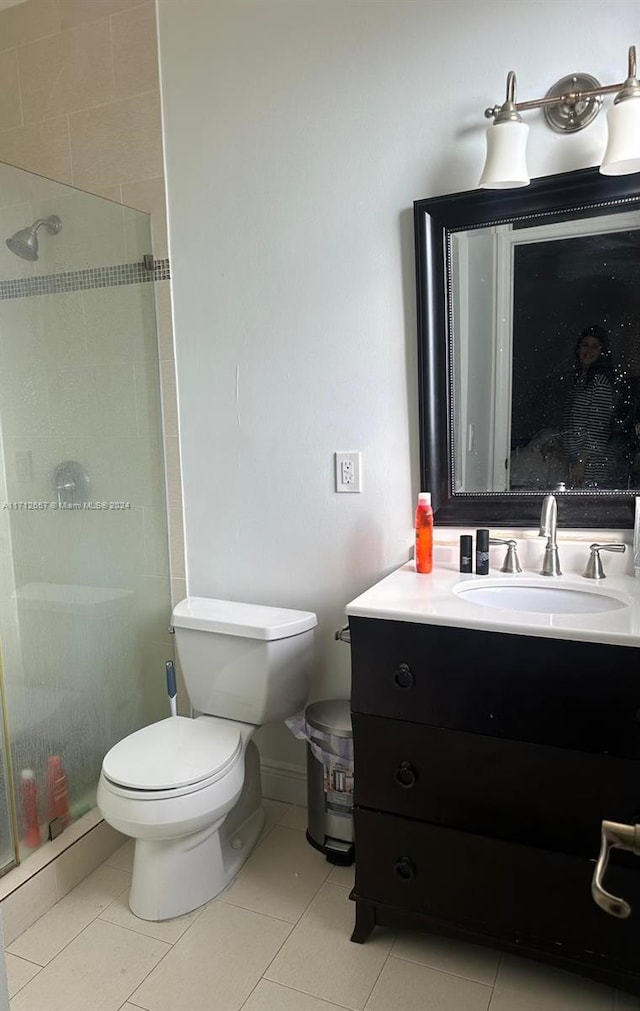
589, 413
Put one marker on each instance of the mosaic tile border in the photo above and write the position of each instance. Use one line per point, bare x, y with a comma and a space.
83, 280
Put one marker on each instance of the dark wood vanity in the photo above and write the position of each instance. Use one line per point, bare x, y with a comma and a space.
484, 766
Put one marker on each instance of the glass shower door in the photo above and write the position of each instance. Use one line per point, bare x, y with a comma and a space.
84, 571
8, 826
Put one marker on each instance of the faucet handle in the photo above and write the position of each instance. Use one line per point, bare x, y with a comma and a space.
594, 569
511, 563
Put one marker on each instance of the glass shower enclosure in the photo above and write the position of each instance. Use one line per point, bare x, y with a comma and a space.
84, 569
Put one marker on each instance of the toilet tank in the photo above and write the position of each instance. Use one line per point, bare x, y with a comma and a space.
244, 662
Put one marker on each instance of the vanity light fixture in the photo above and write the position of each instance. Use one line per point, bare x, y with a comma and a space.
570, 105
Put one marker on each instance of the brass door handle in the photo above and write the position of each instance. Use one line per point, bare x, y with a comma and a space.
614, 836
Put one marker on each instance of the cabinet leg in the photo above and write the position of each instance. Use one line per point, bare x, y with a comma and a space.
365, 922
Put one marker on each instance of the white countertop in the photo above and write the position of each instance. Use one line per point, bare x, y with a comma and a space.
406, 595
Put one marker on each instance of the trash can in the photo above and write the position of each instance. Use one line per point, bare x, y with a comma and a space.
330, 779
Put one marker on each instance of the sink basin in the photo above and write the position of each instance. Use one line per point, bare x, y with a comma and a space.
536, 598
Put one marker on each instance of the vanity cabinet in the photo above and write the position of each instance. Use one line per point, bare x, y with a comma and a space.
484, 766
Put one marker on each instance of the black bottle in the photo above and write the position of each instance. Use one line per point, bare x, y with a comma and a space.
482, 552
466, 553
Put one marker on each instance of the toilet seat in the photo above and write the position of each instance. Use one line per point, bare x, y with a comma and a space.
173, 757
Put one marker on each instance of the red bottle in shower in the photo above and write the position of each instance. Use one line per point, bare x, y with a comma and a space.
57, 791
30, 820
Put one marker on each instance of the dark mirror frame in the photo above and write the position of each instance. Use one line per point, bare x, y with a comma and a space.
434, 220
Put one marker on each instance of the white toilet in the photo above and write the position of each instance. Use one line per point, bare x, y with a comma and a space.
188, 791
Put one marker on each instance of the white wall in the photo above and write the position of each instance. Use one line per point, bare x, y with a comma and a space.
297, 135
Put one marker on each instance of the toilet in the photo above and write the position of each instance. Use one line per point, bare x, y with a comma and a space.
188, 790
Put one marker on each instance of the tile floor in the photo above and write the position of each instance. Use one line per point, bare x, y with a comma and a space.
276, 940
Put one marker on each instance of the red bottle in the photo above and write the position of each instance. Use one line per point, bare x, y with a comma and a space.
30, 820
424, 533
57, 791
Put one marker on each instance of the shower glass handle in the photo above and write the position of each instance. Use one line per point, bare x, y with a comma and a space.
613, 836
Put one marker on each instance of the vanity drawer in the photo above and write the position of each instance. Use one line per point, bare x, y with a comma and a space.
576, 695
499, 889
536, 794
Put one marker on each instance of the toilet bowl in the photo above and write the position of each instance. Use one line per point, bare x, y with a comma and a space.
170, 786
188, 790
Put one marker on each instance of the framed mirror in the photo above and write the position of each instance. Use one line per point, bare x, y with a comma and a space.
529, 351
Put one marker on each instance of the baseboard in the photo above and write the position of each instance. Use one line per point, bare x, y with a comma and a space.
285, 782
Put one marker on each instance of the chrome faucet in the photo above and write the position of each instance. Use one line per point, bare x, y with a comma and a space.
548, 524
636, 540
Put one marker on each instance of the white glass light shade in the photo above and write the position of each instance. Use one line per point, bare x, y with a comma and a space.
506, 164
622, 154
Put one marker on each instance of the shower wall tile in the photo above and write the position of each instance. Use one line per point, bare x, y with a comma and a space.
72, 393
12, 192
137, 232
78, 12
40, 147
164, 321
42, 331
169, 398
178, 590
92, 398
174, 472
176, 541
115, 400
113, 193
42, 458
10, 110
66, 72
117, 143
135, 476
25, 407
156, 547
114, 546
92, 233
135, 52
63, 547
148, 406
150, 603
29, 21
120, 322
149, 195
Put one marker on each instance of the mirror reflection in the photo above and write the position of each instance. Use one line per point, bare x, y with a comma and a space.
545, 331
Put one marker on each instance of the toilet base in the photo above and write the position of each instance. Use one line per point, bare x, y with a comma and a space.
172, 877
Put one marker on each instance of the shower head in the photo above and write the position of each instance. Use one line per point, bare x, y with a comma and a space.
25, 242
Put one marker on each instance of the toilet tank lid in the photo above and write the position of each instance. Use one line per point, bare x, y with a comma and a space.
228, 617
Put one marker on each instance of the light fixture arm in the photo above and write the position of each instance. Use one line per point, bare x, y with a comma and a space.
570, 99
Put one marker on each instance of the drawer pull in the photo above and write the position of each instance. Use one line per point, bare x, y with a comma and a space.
403, 678
406, 775
622, 837
404, 869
